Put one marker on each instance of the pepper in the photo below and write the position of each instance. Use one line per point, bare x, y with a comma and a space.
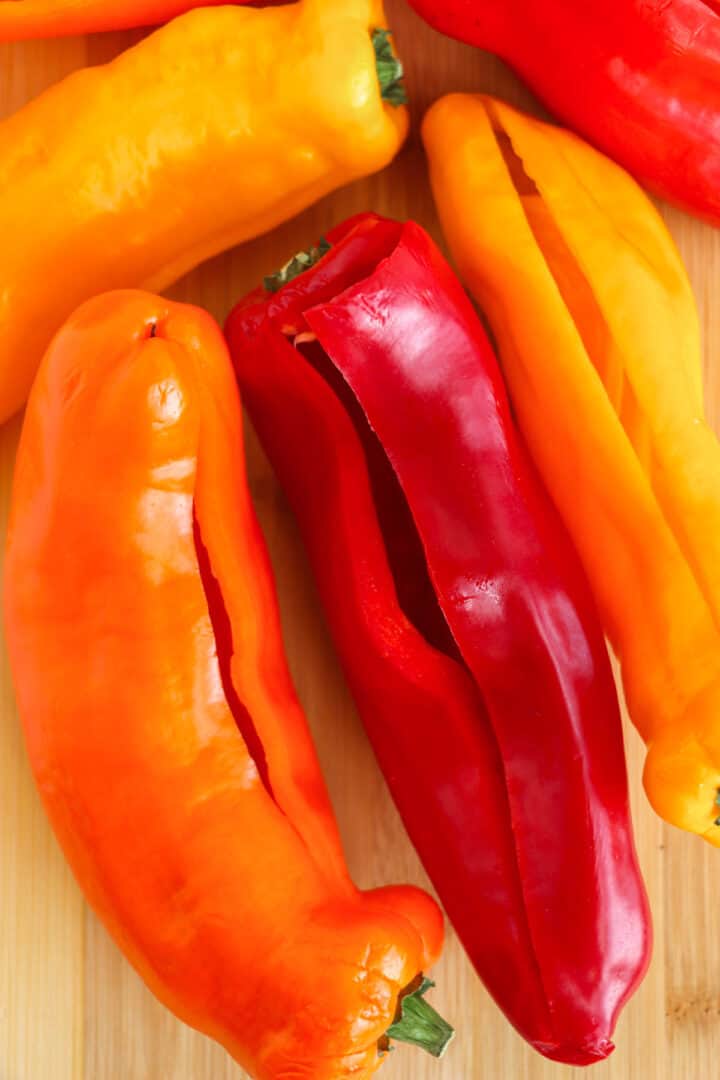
210, 131
639, 78
599, 338
461, 617
23, 19
167, 742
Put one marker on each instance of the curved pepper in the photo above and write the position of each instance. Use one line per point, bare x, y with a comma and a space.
461, 616
599, 339
212, 130
162, 726
23, 19
639, 78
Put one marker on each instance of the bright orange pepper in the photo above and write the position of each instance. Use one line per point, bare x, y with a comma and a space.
211, 131
22, 19
164, 732
599, 337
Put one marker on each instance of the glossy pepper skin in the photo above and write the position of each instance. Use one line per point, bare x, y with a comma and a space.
163, 729
599, 340
639, 78
23, 19
212, 130
481, 673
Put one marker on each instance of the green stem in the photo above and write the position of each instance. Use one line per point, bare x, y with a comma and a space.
419, 1024
717, 803
296, 266
389, 69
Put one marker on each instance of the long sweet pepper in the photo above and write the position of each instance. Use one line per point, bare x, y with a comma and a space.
600, 343
639, 78
210, 131
23, 19
461, 616
164, 732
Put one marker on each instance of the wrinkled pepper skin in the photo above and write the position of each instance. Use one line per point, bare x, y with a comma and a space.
23, 19
639, 78
146, 652
212, 130
599, 340
497, 728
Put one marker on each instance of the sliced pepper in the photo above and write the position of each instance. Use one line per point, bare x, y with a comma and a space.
461, 616
639, 78
599, 339
167, 742
212, 130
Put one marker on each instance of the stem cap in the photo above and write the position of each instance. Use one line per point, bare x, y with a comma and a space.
296, 266
420, 1025
389, 69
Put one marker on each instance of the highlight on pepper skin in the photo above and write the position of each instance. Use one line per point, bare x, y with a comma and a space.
585, 289
164, 732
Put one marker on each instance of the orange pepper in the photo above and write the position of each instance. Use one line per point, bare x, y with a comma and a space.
599, 338
164, 732
22, 19
211, 131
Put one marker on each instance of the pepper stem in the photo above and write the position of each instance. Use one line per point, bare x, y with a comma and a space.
296, 266
420, 1025
389, 69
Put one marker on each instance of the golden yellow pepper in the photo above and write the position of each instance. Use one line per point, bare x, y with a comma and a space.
599, 337
212, 130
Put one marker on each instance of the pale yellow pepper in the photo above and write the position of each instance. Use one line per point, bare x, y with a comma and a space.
599, 339
212, 130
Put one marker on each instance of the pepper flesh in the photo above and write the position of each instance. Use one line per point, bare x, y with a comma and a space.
639, 78
131, 524
512, 786
599, 339
212, 130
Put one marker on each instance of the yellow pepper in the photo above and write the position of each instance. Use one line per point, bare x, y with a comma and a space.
212, 130
598, 332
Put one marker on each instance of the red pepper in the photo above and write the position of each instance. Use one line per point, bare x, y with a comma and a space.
638, 78
462, 619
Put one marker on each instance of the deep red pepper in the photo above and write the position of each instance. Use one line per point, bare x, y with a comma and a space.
497, 726
638, 78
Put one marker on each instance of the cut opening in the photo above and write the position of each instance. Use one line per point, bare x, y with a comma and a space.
579, 299
587, 315
404, 548
222, 629
411, 575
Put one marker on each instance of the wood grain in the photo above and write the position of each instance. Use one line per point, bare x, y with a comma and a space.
70, 1007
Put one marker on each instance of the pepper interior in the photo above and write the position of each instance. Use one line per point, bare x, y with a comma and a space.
222, 629
404, 548
579, 299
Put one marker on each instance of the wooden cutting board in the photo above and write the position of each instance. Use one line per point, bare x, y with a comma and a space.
70, 1006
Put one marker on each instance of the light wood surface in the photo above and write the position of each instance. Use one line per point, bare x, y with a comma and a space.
70, 1006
